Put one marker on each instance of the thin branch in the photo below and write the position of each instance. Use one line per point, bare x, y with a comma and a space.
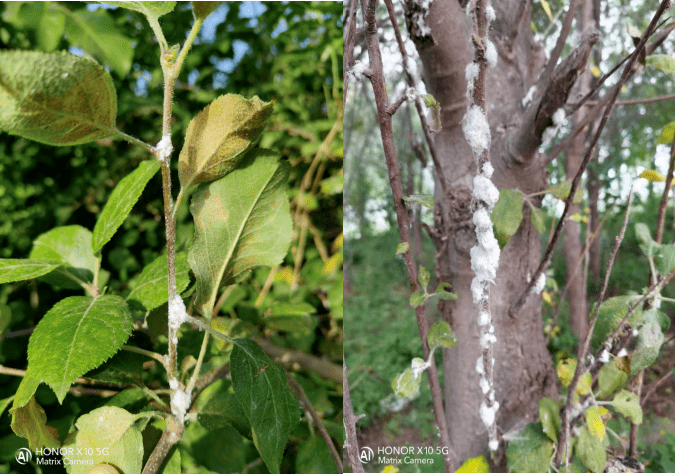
518, 304
348, 46
410, 80
645, 100
655, 385
665, 198
350, 421
289, 357
380, 92
560, 43
171, 435
584, 348
302, 398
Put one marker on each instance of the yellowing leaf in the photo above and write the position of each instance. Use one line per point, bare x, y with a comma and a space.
332, 263
30, 422
284, 274
338, 243
565, 371
477, 464
390, 468
596, 72
652, 175
547, 9
594, 422
584, 384
666, 135
548, 298
402, 248
220, 136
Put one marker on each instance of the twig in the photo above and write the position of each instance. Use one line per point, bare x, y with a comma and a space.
410, 80
348, 46
378, 83
302, 398
584, 348
288, 357
645, 100
171, 435
518, 304
560, 43
654, 386
665, 198
351, 443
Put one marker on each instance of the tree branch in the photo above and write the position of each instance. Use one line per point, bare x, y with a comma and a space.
302, 398
378, 83
351, 443
518, 304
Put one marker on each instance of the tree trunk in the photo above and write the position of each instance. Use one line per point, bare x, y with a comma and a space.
593, 187
573, 248
523, 367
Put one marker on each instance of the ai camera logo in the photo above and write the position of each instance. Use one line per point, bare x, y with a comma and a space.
366, 454
23, 455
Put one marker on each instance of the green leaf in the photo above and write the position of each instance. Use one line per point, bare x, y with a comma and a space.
633, 31
584, 384
314, 457
224, 409
649, 341
109, 430
29, 384
121, 201
663, 62
423, 277
611, 379
530, 450
666, 135
561, 190
124, 367
72, 247
220, 136
30, 422
55, 98
260, 386
417, 298
19, 269
537, 218
612, 311
149, 9
241, 221
548, 410
201, 10
665, 259
151, 289
45, 19
440, 335
406, 384
590, 450
627, 404
648, 246
294, 317
78, 334
97, 33
402, 248
422, 199
507, 215
443, 294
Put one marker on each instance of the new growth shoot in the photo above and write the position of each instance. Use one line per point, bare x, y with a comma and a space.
484, 256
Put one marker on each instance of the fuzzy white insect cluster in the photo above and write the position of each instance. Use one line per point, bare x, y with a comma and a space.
539, 285
356, 74
490, 13
491, 53
410, 94
528, 98
476, 130
488, 413
177, 315
559, 120
418, 366
180, 402
164, 147
420, 17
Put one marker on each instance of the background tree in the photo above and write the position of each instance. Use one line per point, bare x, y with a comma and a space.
529, 91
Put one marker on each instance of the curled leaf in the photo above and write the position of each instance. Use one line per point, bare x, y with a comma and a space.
220, 136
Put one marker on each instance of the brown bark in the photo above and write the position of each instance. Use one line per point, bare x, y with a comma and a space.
577, 290
593, 187
523, 370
